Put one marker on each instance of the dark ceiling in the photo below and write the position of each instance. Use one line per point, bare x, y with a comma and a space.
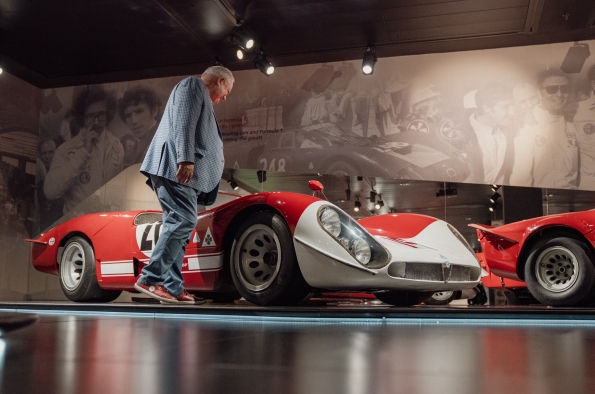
52, 43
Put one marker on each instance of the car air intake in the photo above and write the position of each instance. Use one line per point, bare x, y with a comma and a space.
435, 272
147, 217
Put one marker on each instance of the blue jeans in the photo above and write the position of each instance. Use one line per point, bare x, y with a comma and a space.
179, 205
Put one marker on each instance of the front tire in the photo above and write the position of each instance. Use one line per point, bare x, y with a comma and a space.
403, 298
78, 277
443, 297
560, 272
264, 266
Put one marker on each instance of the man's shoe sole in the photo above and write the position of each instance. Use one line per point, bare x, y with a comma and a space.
153, 295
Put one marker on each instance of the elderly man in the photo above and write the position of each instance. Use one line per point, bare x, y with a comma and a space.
183, 166
86, 162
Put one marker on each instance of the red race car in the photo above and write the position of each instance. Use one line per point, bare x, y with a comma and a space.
553, 254
272, 248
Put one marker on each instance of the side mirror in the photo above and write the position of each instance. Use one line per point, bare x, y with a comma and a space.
315, 186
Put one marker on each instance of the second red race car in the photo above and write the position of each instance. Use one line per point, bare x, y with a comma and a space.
554, 255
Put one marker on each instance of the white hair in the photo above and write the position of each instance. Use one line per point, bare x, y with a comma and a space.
220, 72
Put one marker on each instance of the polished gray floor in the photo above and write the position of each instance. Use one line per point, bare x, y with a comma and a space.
71, 354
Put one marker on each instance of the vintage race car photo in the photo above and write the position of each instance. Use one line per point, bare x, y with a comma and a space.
272, 248
553, 254
324, 148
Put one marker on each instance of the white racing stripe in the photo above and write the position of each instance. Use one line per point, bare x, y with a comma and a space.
205, 261
196, 262
117, 268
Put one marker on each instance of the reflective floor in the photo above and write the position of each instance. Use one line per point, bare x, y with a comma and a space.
71, 354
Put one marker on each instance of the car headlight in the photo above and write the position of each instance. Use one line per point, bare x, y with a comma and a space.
329, 219
357, 241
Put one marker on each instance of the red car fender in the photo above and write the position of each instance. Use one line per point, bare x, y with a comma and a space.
503, 245
289, 205
44, 253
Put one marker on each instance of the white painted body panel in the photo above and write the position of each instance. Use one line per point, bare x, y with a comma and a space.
326, 264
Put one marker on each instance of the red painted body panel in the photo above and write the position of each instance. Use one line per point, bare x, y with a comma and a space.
113, 237
402, 226
44, 256
493, 281
503, 245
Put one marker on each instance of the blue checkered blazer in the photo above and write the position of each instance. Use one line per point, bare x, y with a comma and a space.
188, 131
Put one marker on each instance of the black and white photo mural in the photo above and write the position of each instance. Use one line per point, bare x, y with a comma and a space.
507, 116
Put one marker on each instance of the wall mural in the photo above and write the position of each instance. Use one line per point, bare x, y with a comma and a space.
506, 116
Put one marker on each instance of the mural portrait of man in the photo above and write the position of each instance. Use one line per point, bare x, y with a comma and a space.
84, 163
139, 108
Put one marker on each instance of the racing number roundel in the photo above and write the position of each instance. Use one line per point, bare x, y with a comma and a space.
147, 236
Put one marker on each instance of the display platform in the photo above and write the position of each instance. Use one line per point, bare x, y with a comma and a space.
246, 311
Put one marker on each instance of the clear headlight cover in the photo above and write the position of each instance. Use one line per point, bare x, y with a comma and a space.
357, 241
329, 219
461, 238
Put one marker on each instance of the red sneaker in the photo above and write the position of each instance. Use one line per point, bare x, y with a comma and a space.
155, 291
186, 298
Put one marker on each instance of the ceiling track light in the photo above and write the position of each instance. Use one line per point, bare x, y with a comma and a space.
264, 65
379, 204
242, 39
233, 184
368, 62
357, 206
495, 197
372, 196
495, 188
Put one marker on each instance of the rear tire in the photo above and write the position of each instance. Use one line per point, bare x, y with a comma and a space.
560, 272
78, 277
403, 298
264, 266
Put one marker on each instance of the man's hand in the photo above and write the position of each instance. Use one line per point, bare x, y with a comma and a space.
185, 172
90, 138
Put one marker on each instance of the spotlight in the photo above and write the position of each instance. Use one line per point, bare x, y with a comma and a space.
379, 204
495, 197
493, 206
372, 196
368, 62
262, 176
357, 206
264, 66
242, 39
495, 188
233, 184
240, 54
1, 70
